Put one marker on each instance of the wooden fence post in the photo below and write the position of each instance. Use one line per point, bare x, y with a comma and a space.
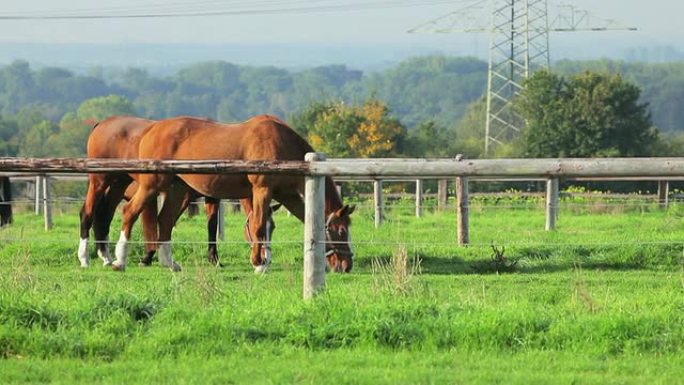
338, 186
37, 191
462, 210
221, 222
551, 203
377, 198
442, 194
419, 198
314, 230
664, 194
47, 205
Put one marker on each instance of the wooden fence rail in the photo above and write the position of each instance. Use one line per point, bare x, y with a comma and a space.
315, 168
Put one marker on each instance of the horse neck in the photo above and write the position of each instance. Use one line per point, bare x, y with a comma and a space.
333, 201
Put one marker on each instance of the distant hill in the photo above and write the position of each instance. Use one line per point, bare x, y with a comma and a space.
166, 59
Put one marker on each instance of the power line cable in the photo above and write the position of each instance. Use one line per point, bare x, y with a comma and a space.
200, 9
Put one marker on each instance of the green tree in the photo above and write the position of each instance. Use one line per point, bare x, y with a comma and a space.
36, 140
468, 136
71, 137
9, 130
97, 109
588, 115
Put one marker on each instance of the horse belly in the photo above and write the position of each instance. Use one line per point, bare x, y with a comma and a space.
219, 186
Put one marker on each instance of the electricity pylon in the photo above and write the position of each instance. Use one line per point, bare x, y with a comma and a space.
518, 44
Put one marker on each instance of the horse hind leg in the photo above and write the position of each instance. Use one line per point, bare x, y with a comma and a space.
212, 207
104, 213
101, 224
96, 189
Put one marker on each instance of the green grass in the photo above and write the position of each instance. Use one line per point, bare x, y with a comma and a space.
598, 301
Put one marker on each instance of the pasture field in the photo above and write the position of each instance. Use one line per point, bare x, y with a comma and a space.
598, 301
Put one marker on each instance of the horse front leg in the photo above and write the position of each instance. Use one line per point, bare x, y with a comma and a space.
170, 212
96, 189
150, 231
258, 229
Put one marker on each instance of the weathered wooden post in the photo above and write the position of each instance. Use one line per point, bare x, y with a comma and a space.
221, 224
664, 194
47, 205
442, 194
377, 199
419, 198
314, 230
37, 196
462, 214
339, 190
551, 203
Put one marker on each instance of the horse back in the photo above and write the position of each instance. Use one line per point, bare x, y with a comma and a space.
117, 137
263, 137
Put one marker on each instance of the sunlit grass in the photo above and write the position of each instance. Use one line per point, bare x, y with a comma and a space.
599, 300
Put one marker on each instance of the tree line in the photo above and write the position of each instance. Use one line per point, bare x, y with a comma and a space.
424, 107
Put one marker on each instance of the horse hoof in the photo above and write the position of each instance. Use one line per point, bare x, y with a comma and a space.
145, 263
175, 267
117, 267
106, 263
261, 269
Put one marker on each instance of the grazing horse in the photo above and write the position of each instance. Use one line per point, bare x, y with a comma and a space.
260, 138
5, 201
118, 137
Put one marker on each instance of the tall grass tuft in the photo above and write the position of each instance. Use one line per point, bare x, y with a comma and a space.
396, 275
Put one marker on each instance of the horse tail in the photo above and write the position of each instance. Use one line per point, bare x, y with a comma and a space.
5, 201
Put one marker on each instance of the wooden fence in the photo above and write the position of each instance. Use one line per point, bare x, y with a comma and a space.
314, 168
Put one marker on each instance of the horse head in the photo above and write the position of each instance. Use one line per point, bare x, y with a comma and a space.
338, 249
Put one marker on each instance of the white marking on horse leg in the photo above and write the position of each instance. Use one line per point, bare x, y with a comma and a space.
121, 253
165, 258
83, 252
261, 269
104, 253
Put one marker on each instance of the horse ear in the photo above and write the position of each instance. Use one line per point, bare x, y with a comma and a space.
351, 209
346, 210
275, 207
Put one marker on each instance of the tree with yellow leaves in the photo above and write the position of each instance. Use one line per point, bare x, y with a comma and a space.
339, 130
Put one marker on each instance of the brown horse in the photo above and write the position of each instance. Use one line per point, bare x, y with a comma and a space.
260, 138
119, 137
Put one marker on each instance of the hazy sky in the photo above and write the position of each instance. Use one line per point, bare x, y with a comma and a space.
344, 22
